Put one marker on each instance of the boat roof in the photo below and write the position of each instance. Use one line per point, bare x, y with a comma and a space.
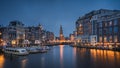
11, 48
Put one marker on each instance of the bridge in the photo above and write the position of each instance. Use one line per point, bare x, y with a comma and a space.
59, 43
63, 43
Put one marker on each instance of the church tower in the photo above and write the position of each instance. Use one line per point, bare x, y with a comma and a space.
61, 34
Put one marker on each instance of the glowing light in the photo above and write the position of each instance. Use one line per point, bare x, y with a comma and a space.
24, 61
2, 60
104, 54
13, 42
61, 55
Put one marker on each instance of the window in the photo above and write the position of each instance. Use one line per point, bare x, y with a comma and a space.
115, 39
105, 23
105, 39
115, 22
110, 23
115, 29
110, 39
105, 30
80, 25
110, 30
100, 39
94, 39
100, 24
100, 31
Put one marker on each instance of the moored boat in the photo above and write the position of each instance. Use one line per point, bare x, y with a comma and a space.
32, 50
16, 51
47, 48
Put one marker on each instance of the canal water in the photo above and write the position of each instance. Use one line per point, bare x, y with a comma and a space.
64, 56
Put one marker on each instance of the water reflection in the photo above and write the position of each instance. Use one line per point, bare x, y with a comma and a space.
61, 55
74, 53
43, 62
23, 62
93, 58
64, 56
105, 57
74, 56
2, 60
10, 57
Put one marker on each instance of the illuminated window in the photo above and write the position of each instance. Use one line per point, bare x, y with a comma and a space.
94, 39
115, 39
110, 39
100, 39
110, 23
105, 39
80, 29
105, 24
13, 42
80, 25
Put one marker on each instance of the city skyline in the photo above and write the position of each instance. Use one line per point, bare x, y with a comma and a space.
51, 14
59, 33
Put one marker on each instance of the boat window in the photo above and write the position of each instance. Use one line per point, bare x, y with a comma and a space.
22, 50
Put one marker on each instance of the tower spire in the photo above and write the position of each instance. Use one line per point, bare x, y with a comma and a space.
61, 33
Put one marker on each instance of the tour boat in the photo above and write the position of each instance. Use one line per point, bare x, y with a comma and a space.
16, 51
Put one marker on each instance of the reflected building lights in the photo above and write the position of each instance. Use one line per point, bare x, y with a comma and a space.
61, 55
74, 52
2, 60
101, 55
24, 63
74, 56
43, 62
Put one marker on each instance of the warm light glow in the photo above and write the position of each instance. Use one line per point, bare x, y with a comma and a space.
24, 61
100, 38
74, 52
13, 42
62, 41
115, 39
104, 54
2, 60
1, 40
105, 39
4, 43
61, 55
61, 51
37, 42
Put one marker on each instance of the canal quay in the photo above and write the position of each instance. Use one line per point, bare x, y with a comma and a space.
64, 56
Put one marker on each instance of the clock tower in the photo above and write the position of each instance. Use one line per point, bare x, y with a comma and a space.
61, 34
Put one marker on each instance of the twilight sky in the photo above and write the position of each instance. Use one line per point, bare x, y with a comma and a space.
51, 13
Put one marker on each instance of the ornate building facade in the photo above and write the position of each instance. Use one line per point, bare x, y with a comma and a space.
16, 34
